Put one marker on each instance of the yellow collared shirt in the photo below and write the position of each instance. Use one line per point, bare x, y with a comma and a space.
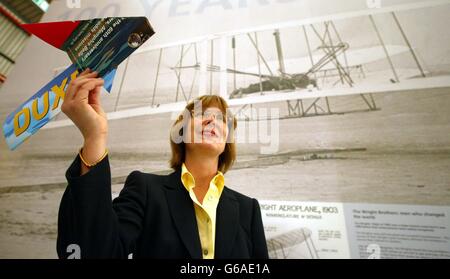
205, 212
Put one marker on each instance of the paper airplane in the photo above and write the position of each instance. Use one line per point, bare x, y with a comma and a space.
98, 44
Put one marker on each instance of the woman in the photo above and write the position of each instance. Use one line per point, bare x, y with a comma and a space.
187, 214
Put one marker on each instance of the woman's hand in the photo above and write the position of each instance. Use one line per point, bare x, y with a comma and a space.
82, 105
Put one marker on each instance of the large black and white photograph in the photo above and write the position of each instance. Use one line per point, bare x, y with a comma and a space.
337, 102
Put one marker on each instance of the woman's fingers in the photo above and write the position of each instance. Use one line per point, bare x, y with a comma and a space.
83, 88
82, 105
94, 96
89, 75
81, 79
73, 85
85, 72
76, 86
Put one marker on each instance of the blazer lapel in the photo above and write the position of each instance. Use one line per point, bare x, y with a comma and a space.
227, 221
183, 213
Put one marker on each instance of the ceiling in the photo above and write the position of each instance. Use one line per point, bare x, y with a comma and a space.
25, 10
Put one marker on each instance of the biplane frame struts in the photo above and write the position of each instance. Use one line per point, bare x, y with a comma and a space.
331, 51
280, 246
329, 67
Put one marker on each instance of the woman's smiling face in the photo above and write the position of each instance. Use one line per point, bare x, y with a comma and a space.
208, 130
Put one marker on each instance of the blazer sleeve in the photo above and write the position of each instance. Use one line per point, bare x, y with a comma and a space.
258, 236
89, 219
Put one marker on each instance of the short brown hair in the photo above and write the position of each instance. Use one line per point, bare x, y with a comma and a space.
228, 156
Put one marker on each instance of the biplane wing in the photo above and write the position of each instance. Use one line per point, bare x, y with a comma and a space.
195, 62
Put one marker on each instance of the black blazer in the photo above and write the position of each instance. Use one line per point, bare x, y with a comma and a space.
153, 217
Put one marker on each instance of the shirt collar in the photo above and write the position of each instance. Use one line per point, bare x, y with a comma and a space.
189, 182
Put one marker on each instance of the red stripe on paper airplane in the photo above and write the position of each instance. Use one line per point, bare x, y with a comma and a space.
53, 33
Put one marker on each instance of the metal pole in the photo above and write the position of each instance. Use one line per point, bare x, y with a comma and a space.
328, 104
301, 105
157, 76
195, 51
282, 250
409, 45
373, 101
195, 72
178, 75
279, 52
332, 54
340, 40
384, 48
233, 46
367, 102
306, 242
311, 105
259, 66
211, 72
260, 54
314, 248
348, 69
332, 47
362, 71
223, 57
202, 88
192, 85
309, 51
121, 84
